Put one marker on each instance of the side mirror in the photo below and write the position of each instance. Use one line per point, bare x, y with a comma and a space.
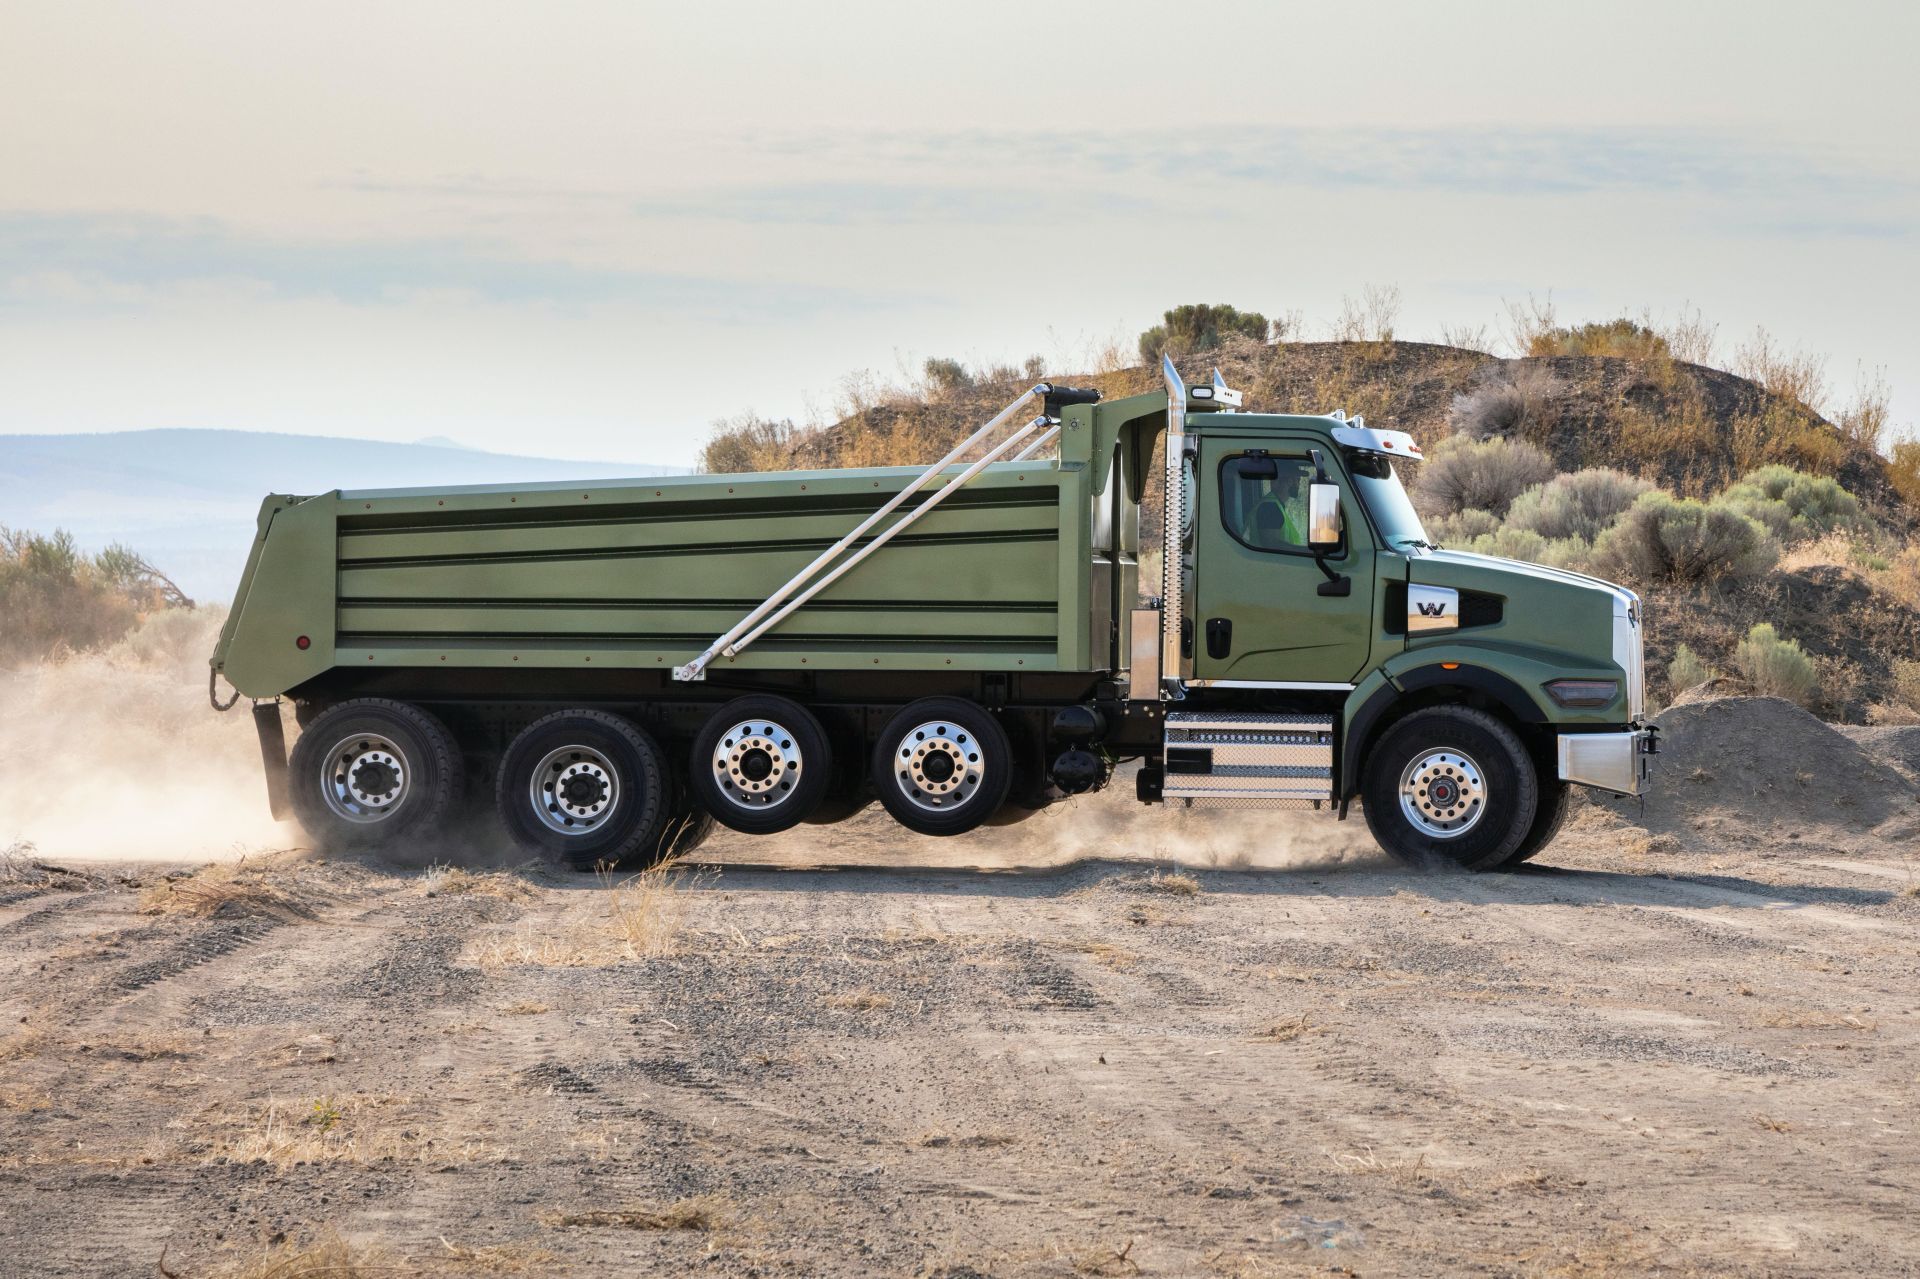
1323, 515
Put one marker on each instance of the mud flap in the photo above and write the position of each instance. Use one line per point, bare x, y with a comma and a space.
273, 757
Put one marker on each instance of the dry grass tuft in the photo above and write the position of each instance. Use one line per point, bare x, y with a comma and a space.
1102, 1259
360, 1129
226, 889
1405, 1173
705, 1213
1103, 952
526, 1008
861, 1001
453, 881
1173, 884
643, 917
23, 1100
329, 1257
1288, 1030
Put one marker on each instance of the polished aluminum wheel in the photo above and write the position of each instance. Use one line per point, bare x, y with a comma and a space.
365, 778
938, 765
573, 790
757, 763
1443, 793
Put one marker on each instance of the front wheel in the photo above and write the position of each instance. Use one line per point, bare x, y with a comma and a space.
1451, 785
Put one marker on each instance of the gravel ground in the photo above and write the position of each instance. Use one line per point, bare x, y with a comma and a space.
1042, 1050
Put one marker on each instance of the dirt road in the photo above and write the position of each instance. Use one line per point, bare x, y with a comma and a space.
1641, 1059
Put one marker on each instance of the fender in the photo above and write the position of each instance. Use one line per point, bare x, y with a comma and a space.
1360, 721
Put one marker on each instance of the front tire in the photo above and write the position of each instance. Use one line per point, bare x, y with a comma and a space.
586, 789
942, 766
369, 773
1450, 785
1556, 800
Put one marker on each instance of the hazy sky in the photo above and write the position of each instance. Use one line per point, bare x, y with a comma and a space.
589, 229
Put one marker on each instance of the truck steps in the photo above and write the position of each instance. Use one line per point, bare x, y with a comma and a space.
1237, 759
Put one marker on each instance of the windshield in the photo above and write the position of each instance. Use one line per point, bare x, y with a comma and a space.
1386, 501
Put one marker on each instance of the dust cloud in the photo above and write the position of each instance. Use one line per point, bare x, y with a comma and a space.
1113, 825
116, 755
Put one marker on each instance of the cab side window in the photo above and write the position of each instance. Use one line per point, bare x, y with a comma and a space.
1263, 501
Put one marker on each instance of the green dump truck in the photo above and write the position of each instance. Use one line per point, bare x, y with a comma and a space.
615, 666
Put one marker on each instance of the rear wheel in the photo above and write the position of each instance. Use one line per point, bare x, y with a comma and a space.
942, 766
761, 764
370, 773
585, 788
1450, 784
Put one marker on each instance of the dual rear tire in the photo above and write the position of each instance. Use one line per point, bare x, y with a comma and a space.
591, 789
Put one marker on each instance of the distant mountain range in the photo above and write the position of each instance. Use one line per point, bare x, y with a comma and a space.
187, 499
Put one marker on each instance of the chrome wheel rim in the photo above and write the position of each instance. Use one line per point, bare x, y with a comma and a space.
365, 778
757, 763
938, 765
1443, 793
574, 790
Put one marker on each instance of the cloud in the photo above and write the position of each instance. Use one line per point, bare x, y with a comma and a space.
865, 203
93, 259
1491, 161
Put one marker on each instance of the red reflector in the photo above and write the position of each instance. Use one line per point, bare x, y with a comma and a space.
1449, 666
302, 643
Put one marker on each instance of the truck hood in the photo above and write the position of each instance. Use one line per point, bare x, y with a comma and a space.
1550, 608
1436, 563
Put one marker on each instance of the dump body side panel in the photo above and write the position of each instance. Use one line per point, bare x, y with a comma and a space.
645, 573
287, 593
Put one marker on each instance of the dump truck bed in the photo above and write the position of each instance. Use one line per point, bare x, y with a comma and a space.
645, 573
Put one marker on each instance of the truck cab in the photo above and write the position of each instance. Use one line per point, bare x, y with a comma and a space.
1315, 647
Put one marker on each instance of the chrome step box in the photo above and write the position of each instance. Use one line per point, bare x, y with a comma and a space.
1234, 759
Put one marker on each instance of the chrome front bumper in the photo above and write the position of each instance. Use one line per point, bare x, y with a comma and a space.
1611, 761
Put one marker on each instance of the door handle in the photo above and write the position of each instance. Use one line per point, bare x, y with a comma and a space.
1219, 637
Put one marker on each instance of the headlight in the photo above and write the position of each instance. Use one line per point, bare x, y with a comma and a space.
1583, 692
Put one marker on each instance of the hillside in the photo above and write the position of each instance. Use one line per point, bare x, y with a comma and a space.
187, 498
1846, 592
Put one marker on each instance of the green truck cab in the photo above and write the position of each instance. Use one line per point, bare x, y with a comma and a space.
615, 666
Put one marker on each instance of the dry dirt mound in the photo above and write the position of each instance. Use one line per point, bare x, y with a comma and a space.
1897, 746
1759, 769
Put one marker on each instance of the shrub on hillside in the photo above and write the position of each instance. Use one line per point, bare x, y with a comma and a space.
1524, 399
1462, 527
1627, 339
1667, 539
1685, 670
1513, 543
749, 443
1906, 683
1793, 507
1199, 327
1903, 469
1463, 474
54, 596
1776, 667
1583, 504
945, 374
